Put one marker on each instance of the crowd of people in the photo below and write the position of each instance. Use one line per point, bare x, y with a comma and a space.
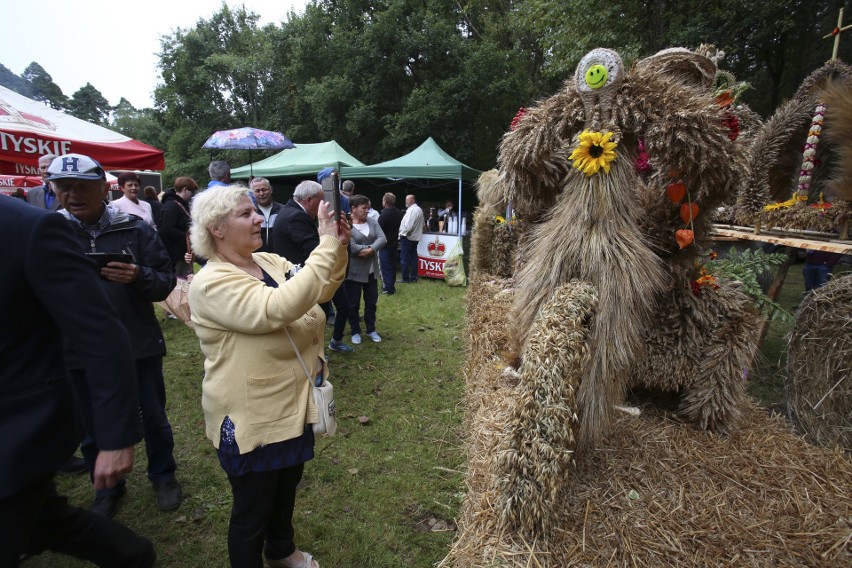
83, 364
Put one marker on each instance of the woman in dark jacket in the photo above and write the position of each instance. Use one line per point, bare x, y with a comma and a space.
175, 221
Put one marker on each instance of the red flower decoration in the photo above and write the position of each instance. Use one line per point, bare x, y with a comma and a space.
696, 288
515, 121
641, 163
732, 123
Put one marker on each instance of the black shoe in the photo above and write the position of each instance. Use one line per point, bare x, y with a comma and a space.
107, 504
169, 495
74, 466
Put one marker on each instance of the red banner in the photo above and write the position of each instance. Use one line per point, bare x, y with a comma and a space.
20, 181
432, 251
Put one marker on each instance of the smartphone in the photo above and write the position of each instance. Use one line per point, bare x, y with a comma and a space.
331, 194
103, 258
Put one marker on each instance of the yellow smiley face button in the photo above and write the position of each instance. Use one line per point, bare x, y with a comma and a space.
596, 76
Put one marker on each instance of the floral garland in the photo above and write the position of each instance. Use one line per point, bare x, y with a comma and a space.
809, 161
809, 153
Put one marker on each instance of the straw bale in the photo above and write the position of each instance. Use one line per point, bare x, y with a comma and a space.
655, 492
819, 365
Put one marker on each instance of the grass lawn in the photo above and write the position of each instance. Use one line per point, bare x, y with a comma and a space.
379, 494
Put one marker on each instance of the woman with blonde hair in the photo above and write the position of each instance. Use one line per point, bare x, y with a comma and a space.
261, 331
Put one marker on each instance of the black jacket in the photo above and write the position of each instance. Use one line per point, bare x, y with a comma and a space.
129, 233
295, 234
389, 220
173, 225
266, 227
156, 209
49, 290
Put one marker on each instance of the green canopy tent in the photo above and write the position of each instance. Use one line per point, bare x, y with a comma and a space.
427, 161
303, 160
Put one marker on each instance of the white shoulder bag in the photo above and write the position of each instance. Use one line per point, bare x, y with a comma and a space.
323, 397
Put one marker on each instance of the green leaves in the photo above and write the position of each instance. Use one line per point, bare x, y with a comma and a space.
747, 266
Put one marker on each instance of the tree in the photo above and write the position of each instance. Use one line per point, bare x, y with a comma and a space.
13, 82
214, 78
42, 87
142, 125
89, 104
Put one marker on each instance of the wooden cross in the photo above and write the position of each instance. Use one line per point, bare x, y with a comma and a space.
836, 33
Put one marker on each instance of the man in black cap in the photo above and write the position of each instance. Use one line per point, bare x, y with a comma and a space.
141, 275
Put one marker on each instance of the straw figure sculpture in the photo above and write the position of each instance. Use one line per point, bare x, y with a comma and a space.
819, 365
790, 182
614, 175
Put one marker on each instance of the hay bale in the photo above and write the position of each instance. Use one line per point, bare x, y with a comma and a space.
819, 365
655, 492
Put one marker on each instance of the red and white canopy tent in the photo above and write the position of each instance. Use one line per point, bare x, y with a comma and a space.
30, 129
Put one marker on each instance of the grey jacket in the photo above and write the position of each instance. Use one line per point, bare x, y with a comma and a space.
35, 196
359, 268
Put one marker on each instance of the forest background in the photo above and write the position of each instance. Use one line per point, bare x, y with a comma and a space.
380, 76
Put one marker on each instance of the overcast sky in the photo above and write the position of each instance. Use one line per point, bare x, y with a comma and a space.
111, 44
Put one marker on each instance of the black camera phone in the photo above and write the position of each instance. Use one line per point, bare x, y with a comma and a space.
331, 194
103, 258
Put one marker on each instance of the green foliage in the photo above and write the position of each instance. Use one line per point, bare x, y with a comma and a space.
89, 104
215, 77
746, 266
142, 125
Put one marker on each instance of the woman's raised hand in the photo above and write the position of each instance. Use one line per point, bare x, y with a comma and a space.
327, 226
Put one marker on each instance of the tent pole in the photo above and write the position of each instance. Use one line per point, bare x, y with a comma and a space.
459, 223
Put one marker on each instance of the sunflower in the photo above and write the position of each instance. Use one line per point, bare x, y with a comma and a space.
594, 152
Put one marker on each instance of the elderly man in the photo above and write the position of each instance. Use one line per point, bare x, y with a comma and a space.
220, 173
43, 196
50, 292
410, 231
131, 286
295, 235
267, 208
130, 184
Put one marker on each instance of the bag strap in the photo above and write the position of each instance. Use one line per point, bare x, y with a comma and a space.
299, 355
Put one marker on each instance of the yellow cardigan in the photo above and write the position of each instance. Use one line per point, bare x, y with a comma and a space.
251, 372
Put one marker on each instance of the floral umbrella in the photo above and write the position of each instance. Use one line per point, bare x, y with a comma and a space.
248, 138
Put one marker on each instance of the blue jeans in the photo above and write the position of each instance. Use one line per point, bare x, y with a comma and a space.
408, 259
815, 275
371, 297
388, 260
159, 441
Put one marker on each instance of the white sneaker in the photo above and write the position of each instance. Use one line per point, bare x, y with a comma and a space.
375, 337
356, 338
